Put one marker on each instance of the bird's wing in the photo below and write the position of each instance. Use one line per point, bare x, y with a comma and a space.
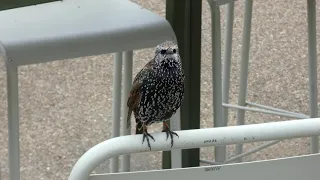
133, 100
135, 92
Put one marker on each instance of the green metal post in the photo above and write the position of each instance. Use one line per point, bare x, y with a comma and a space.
185, 19
10, 4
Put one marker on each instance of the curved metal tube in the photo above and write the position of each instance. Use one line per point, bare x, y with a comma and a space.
193, 139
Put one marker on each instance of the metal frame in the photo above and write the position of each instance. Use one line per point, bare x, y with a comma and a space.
221, 114
195, 139
127, 83
116, 105
126, 35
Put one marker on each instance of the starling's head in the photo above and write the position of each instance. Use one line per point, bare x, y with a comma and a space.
167, 55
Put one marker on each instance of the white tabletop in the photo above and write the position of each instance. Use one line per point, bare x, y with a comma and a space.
70, 29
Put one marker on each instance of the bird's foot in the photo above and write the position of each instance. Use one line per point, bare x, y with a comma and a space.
146, 135
171, 133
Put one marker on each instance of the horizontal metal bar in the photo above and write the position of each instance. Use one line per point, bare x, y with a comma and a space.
194, 138
251, 151
222, 2
242, 154
209, 162
262, 111
276, 109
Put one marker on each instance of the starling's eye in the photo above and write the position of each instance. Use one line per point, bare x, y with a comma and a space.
163, 51
174, 50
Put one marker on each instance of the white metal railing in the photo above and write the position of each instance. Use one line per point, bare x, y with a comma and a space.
193, 139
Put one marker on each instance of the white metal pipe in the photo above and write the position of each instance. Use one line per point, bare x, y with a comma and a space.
244, 68
116, 105
276, 109
263, 111
127, 83
195, 138
219, 121
13, 120
312, 68
227, 59
176, 154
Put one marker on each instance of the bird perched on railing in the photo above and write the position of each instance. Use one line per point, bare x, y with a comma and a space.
157, 91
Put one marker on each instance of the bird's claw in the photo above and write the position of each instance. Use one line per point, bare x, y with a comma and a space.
171, 133
146, 135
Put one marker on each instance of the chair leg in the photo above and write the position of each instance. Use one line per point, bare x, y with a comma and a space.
176, 154
227, 60
116, 106
13, 122
220, 151
127, 83
312, 62
244, 69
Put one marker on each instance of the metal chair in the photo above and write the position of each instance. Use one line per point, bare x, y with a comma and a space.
70, 29
277, 169
221, 80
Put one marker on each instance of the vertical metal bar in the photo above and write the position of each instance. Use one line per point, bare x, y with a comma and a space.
176, 154
226, 71
244, 68
127, 83
116, 105
185, 19
220, 151
13, 121
312, 62
227, 59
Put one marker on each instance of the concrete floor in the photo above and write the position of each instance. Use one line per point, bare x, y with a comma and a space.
66, 105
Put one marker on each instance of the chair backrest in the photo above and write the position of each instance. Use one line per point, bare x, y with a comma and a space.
303, 167
293, 168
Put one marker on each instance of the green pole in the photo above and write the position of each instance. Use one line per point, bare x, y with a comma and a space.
10, 4
185, 19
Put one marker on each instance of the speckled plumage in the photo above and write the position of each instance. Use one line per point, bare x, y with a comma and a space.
157, 91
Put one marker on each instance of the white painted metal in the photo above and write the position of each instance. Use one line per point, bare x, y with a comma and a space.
176, 154
227, 59
312, 68
219, 121
76, 28
202, 138
223, 2
116, 105
70, 29
277, 109
244, 67
265, 111
293, 168
13, 119
234, 158
241, 107
243, 154
127, 83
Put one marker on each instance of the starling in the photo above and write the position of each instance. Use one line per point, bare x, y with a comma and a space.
157, 91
